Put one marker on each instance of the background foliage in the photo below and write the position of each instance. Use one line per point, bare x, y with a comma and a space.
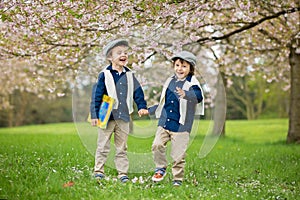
45, 45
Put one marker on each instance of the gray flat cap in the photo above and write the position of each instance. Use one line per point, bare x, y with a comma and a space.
187, 56
113, 44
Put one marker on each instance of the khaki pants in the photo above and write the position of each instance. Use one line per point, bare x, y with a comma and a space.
179, 144
120, 130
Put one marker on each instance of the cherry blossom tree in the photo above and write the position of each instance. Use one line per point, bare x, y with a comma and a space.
58, 39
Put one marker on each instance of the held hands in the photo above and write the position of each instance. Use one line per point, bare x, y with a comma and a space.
180, 92
94, 122
143, 112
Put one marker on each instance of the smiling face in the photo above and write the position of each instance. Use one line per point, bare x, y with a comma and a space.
118, 56
181, 68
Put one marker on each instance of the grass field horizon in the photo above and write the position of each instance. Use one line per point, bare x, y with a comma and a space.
251, 162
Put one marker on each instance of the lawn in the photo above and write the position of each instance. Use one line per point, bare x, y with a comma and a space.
55, 162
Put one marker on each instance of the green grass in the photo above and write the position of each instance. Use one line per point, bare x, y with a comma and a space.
251, 162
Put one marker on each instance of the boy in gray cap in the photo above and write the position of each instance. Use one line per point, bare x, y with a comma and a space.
180, 100
116, 81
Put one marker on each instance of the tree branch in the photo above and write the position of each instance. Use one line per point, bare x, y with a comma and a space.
26, 54
148, 57
248, 26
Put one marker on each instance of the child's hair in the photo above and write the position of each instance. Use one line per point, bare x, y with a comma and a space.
109, 55
192, 68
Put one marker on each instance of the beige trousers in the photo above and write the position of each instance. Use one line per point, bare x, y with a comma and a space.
179, 144
120, 129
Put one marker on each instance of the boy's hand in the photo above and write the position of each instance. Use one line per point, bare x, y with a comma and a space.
143, 112
94, 122
180, 92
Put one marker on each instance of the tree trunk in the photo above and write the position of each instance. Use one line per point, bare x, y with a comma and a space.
10, 117
10, 113
21, 103
294, 112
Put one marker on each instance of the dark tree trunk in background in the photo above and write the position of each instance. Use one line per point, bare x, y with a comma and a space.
294, 112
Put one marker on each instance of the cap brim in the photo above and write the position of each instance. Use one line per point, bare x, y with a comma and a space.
187, 60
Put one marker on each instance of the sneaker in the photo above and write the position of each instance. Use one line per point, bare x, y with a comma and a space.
99, 176
177, 183
124, 179
159, 175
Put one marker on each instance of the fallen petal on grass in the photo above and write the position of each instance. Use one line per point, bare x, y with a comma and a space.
68, 184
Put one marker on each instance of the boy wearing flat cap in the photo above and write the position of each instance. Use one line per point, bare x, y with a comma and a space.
116, 81
180, 100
